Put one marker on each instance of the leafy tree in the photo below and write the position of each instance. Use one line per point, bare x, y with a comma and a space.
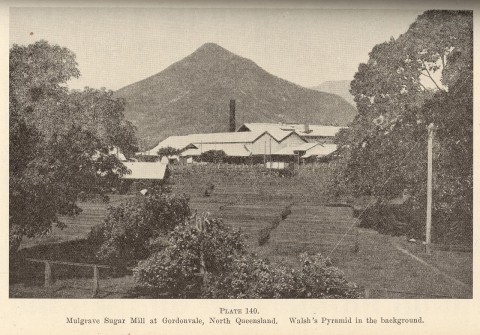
102, 114
134, 229
38, 76
424, 76
230, 272
168, 151
58, 151
213, 156
175, 269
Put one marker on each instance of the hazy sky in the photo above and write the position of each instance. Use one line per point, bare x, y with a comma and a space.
119, 46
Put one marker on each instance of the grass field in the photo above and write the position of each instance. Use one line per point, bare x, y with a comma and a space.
249, 199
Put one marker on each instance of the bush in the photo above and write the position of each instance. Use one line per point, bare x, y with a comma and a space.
168, 151
213, 156
175, 270
209, 189
134, 229
251, 277
393, 220
232, 273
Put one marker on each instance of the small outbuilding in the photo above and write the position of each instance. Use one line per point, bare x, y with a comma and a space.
145, 170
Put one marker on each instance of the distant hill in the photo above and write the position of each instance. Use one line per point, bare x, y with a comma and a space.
193, 94
338, 87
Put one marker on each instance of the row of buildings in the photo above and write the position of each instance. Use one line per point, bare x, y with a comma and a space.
257, 142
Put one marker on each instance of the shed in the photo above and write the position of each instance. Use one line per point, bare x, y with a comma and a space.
145, 170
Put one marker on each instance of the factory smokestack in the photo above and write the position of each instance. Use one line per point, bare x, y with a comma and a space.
232, 116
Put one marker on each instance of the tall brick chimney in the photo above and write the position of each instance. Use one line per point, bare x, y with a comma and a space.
232, 116
306, 128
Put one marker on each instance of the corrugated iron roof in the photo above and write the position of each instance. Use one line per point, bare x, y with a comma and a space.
230, 149
299, 128
232, 137
182, 142
306, 146
176, 142
287, 151
311, 149
321, 150
145, 170
291, 151
272, 128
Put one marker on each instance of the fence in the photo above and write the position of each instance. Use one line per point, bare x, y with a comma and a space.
49, 273
364, 292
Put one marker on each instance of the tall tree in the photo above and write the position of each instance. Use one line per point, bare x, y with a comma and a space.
423, 76
102, 114
59, 140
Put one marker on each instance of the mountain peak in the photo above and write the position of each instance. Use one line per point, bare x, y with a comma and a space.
211, 46
211, 49
192, 96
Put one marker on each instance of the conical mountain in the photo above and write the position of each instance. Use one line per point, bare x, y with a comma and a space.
193, 94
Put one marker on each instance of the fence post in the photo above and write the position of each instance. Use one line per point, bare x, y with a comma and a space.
428, 224
96, 276
48, 274
367, 293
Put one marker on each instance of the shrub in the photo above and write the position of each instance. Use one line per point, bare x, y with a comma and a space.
213, 156
320, 279
232, 273
168, 151
393, 220
175, 270
209, 189
134, 228
264, 234
250, 277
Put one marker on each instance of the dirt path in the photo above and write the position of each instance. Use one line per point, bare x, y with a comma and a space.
431, 267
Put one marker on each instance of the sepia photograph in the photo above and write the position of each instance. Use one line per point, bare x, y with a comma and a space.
240, 153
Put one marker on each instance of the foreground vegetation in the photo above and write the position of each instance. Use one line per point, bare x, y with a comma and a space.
311, 227
423, 77
60, 140
182, 256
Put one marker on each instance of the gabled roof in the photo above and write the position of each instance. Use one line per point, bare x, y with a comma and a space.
230, 149
291, 151
176, 142
321, 150
194, 140
145, 170
310, 149
288, 151
231, 137
306, 146
314, 130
